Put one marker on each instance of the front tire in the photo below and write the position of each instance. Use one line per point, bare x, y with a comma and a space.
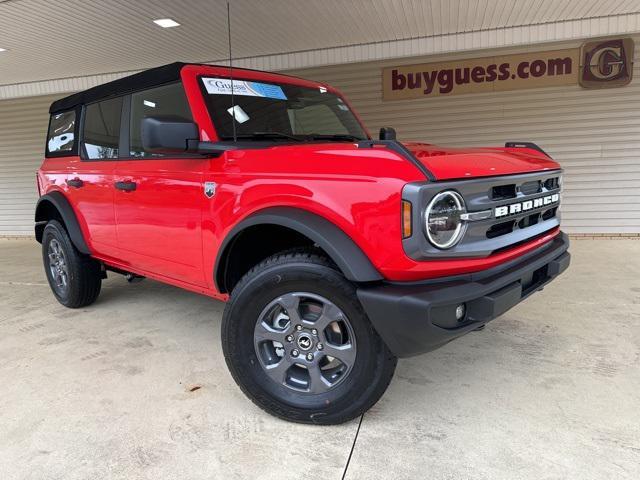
299, 344
75, 279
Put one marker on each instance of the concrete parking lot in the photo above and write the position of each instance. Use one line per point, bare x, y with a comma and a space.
135, 387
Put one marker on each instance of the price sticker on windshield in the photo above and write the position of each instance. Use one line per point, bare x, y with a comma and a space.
223, 86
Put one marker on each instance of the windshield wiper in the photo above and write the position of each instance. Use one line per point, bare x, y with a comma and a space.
268, 135
336, 136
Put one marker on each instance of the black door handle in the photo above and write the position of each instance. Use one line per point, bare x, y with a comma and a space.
75, 183
127, 186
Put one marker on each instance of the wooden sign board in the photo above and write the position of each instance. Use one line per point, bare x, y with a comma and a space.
488, 74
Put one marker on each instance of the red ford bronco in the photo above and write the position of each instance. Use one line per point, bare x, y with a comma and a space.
336, 253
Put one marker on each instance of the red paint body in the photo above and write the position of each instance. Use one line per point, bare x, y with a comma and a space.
168, 230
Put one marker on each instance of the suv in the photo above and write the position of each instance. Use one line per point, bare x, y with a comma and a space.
336, 253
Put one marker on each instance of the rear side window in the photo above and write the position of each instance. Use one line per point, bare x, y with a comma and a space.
160, 101
62, 132
101, 129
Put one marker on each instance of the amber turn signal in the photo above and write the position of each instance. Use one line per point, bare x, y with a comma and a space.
406, 219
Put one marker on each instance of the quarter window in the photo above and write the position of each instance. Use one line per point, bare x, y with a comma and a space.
161, 101
101, 131
61, 137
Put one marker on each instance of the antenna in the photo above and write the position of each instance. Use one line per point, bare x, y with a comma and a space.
233, 105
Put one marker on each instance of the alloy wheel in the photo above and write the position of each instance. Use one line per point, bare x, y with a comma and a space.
58, 266
305, 342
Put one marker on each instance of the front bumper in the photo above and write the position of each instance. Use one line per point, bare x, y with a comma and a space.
414, 318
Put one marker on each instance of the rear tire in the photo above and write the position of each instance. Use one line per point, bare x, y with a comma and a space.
287, 371
75, 279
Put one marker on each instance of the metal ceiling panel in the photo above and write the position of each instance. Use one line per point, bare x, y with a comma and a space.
70, 38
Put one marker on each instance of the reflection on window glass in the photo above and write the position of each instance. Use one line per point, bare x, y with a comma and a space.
279, 112
316, 118
61, 132
101, 132
161, 101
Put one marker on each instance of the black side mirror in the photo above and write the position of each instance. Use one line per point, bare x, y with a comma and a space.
172, 134
387, 133
169, 134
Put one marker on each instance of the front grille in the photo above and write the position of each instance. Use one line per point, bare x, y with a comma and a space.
529, 188
500, 229
533, 189
517, 207
502, 192
549, 213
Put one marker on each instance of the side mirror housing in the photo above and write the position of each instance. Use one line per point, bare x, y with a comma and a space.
387, 133
172, 134
169, 134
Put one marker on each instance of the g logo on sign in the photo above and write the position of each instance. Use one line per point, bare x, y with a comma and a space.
606, 63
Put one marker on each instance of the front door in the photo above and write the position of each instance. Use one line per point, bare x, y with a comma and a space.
159, 199
159, 216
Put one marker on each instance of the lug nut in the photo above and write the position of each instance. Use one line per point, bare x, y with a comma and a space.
294, 353
298, 327
319, 346
289, 338
309, 356
314, 331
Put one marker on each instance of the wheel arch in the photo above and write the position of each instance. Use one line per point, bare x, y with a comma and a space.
55, 205
331, 239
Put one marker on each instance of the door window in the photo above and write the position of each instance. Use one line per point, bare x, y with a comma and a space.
101, 131
61, 137
168, 100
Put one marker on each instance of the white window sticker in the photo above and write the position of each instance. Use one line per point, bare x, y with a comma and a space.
238, 113
222, 86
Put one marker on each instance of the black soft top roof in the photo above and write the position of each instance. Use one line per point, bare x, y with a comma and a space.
138, 81
150, 78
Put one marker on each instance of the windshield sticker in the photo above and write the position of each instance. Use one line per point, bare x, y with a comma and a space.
323, 89
238, 113
222, 86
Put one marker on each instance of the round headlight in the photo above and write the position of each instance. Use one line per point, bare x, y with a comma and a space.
442, 217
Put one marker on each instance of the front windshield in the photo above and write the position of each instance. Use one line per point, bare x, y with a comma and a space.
269, 111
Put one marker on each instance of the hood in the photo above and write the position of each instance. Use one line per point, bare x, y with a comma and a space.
453, 163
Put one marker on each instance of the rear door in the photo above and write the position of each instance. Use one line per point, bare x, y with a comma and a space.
89, 180
158, 198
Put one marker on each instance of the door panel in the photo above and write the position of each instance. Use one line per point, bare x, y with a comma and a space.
89, 181
89, 188
159, 222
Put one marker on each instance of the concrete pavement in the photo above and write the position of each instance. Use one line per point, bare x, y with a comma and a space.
135, 387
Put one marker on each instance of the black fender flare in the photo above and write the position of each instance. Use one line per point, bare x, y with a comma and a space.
62, 205
349, 257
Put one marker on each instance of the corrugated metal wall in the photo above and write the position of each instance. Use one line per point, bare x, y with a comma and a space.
595, 134
23, 126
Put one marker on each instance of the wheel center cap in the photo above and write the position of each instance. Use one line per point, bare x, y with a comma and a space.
304, 341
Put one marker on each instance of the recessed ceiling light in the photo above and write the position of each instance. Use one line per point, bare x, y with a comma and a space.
166, 22
3, 49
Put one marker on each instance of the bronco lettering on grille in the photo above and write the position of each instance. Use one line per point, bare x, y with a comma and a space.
525, 206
